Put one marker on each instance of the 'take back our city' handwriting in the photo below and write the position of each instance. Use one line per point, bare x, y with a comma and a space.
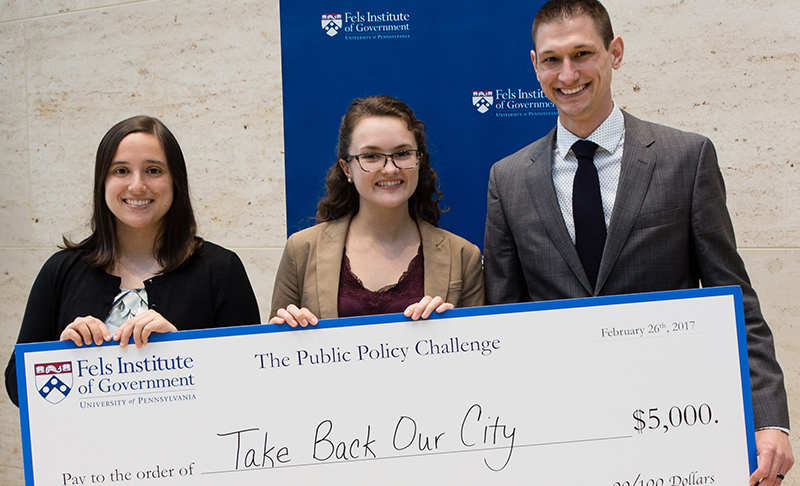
478, 431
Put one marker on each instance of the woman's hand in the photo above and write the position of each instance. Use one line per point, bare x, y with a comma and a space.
425, 307
141, 326
294, 316
84, 330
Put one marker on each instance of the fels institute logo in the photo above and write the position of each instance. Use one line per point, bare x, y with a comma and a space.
331, 23
482, 100
54, 380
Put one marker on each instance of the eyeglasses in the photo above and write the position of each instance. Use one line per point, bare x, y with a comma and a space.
374, 161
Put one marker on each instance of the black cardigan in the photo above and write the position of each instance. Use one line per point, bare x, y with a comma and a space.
210, 290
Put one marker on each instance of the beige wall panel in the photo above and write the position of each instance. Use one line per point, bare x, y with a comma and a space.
775, 274
211, 71
726, 70
15, 225
18, 269
25, 9
11, 476
261, 265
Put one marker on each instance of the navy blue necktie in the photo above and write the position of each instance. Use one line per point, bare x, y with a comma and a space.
587, 210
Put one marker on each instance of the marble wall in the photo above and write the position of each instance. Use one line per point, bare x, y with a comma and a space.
69, 69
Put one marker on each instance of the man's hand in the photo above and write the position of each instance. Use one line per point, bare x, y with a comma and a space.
774, 457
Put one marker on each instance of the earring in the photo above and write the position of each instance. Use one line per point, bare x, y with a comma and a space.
349, 180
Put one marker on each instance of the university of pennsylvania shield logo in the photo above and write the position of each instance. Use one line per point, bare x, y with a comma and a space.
482, 100
331, 23
53, 380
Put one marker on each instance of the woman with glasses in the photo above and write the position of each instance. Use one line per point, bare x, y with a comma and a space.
376, 248
143, 269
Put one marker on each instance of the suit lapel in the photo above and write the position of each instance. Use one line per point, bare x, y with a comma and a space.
436, 257
539, 180
638, 162
330, 251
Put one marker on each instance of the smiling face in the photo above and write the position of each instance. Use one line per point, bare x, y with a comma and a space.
138, 185
574, 68
389, 188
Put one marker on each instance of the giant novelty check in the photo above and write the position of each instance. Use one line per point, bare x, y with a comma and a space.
638, 390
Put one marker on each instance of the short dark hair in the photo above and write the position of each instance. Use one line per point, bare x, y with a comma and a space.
561, 10
177, 238
342, 198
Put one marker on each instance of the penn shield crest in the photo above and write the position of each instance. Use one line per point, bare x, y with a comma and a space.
331, 23
53, 380
482, 100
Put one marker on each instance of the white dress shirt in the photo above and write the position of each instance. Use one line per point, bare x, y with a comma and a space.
610, 138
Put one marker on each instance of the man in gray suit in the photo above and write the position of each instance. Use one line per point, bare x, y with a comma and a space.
661, 221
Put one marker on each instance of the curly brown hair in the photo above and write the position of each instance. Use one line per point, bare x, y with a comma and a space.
342, 198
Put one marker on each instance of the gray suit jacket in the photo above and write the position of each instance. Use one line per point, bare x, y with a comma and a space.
670, 230
308, 275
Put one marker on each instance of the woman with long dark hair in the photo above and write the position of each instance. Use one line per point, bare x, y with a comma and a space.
143, 269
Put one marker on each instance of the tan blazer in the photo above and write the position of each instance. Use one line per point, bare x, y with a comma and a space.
308, 275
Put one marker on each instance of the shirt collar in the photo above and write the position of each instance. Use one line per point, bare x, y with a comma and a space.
607, 135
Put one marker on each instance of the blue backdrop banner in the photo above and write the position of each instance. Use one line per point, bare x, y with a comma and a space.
464, 69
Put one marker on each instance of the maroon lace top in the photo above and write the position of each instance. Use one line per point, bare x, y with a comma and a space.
355, 300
